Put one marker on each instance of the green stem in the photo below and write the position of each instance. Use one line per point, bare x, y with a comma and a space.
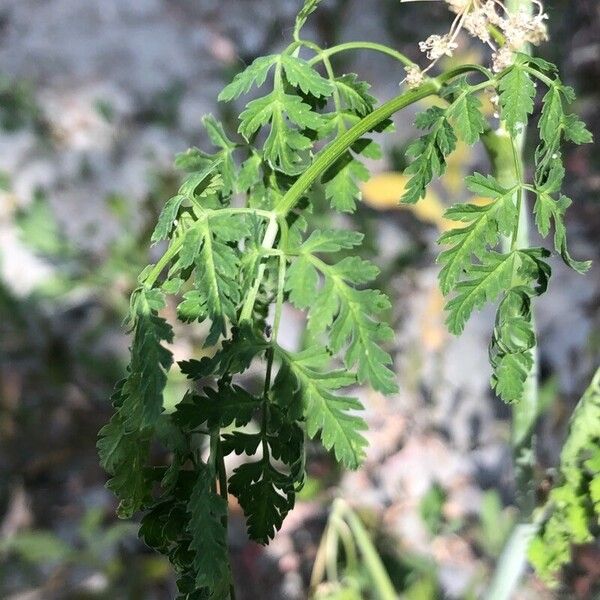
506, 155
327, 157
280, 291
267, 244
165, 259
382, 585
507, 166
216, 462
362, 46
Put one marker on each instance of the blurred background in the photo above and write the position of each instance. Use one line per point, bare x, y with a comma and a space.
96, 97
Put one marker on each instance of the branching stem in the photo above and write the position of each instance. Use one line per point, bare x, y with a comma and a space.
324, 54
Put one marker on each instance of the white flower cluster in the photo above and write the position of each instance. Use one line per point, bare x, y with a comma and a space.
480, 18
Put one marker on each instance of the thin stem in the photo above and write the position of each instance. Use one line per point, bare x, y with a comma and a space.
337, 102
267, 244
265, 404
506, 155
222, 474
267, 214
345, 535
362, 46
507, 166
176, 244
280, 291
382, 585
165, 259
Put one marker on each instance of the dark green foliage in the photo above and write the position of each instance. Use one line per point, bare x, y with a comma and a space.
237, 249
575, 502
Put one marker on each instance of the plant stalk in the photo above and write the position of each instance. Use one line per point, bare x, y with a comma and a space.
506, 156
327, 157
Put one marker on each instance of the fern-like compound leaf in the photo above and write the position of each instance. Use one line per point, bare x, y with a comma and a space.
344, 311
517, 93
285, 145
302, 76
342, 183
574, 504
465, 112
486, 282
547, 209
485, 224
266, 496
253, 75
429, 153
326, 412
208, 536
354, 94
216, 292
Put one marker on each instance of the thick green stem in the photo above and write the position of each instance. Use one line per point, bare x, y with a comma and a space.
327, 157
506, 159
506, 155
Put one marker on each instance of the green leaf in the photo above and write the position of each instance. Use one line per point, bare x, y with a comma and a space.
202, 183
486, 282
551, 117
142, 397
301, 282
331, 240
167, 218
341, 187
574, 501
125, 456
465, 113
511, 348
209, 536
325, 412
249, 174
346, 313
429, 153
265, 495
354, 94
235, 355
516, 97
307, 9
575, 130
216, 294
546, 208
230, 404
301, 75
253, 75
485, 224
191, 245
285, 145
219, 138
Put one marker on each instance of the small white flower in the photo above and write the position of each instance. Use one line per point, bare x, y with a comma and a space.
414, 76
436, 46
502, 59
478, 17
476, 24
